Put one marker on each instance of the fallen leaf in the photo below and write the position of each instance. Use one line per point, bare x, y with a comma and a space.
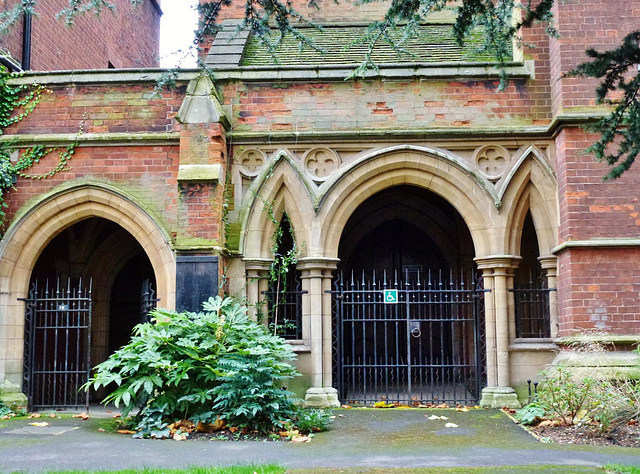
218, 424
462, 409
340, 415
545, 423
210, 427
115, 417
233, 429
100, 429
383, 405
632, 422
5, 417
84, 416
442, 405
39, 423
186, 426
180, 436
450, 425
52, 415
127, 432
34, 415
299, 439
345, 407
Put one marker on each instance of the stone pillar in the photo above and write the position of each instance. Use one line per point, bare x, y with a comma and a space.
201, 180
498, 275
316, 278
257, 271
549, 263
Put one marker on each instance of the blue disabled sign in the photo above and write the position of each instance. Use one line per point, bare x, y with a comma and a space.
390, 296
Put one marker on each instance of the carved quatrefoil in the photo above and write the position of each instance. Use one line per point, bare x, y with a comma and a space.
251, 161
321, 162
492, 161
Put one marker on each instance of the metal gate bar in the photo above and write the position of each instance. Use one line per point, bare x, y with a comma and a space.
57, 345
426, 348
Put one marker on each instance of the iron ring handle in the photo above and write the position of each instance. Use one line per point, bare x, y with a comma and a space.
415, 332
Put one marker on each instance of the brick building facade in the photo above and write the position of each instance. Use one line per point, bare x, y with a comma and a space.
423, 169
126, 37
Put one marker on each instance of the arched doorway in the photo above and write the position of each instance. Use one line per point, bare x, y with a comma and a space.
408, 307
90, 286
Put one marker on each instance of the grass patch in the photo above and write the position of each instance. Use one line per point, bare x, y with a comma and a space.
456, 470
618, 469
249, 469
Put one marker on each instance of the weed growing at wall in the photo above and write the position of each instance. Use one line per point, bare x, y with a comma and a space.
594, 399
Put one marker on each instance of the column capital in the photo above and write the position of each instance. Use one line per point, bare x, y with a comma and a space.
317, 263
257, 263
498, 261
548, 262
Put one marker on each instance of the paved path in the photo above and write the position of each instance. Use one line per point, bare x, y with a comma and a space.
358, 438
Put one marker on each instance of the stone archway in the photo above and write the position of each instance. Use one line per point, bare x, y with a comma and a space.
26, 239
424, 344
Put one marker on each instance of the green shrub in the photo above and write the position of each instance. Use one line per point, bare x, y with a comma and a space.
564, 395
600, 403
213, 364
312, 419
530, 414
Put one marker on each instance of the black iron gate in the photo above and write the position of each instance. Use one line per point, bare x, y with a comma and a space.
416, 341
57, 345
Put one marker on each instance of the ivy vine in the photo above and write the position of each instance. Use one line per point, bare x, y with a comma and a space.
17, 101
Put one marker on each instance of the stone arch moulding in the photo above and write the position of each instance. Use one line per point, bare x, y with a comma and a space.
532, 189
30, 234
471, 195
283, 186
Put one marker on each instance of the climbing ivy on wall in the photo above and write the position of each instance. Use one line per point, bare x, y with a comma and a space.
17, 101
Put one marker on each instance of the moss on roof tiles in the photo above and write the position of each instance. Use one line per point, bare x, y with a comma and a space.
340, 45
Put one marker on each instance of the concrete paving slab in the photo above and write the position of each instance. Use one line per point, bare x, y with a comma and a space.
359, 438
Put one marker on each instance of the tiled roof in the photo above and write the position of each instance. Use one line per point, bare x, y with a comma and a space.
433, 43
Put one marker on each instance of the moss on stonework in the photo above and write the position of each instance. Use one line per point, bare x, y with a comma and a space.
232, 240
344, 45
299, 385
122, 189
196, 243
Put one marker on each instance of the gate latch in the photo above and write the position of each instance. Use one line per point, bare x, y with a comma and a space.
414, 328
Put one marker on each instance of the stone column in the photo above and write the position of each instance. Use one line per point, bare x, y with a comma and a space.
257, 271
316, 278
498, 273
549, 263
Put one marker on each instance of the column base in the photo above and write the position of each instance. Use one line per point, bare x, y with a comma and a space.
11, 396
321, 397
499, 397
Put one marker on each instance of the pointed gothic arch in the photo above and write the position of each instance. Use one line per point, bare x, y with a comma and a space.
281, 187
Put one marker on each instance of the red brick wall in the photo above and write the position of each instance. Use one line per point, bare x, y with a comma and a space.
582, 24
329, 10
146, 172
128, 38
388, 104
121, 108
597, 287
